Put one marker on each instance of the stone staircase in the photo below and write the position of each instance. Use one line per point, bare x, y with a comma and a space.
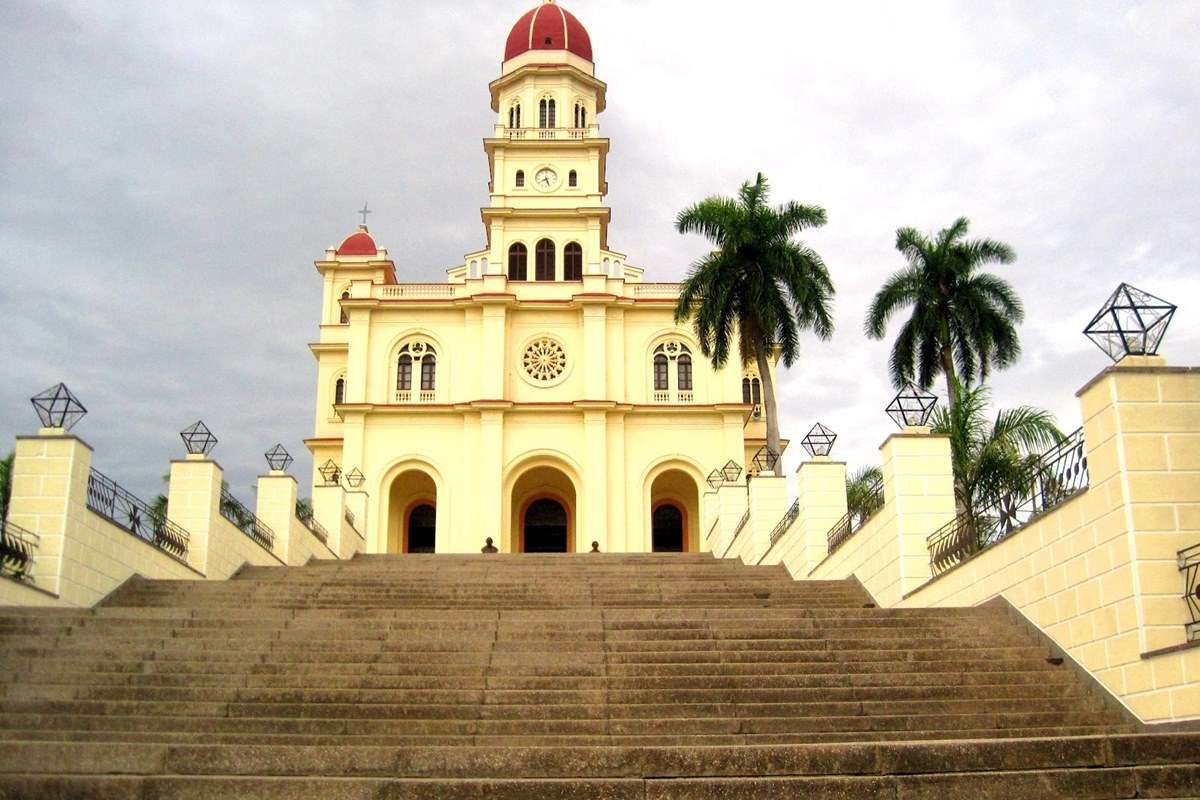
578, 676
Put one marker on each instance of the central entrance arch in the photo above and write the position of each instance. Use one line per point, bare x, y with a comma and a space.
542, 516
412, 513
544, 526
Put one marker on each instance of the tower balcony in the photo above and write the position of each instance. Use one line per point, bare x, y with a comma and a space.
547, 134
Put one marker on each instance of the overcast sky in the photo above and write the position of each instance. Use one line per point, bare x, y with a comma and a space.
170, 170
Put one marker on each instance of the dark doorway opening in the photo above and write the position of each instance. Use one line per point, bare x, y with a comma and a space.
422, 529
667, 529
545, 527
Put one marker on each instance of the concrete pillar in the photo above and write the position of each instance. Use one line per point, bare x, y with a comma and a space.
49, 494
194, 504
821, 490
918, 484
1142, 437
710, 513
768, 504
276, 508
595, 364
489, 493
731, 507
329, 503
595, 484
495, 335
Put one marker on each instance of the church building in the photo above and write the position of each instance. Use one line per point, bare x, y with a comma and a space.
542, 396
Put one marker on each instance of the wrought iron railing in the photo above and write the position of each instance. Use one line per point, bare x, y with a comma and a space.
16, 550
304, 513
713, 530
349, 515
1189, 565
855, 518
150, 524
1055, 477
245, 521
788, 519
737, 532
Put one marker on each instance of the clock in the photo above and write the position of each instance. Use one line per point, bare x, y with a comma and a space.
545, 178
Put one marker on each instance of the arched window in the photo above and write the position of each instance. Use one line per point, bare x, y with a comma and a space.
404, 373
580, 115
543, 260
661, 373
572, 179
573, 262
514, 116
345, 318
339, 392
429, 372
752, 393
518, 262
520, 178
546, 113
685, 372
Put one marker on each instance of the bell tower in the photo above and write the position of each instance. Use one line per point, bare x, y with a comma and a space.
546, 157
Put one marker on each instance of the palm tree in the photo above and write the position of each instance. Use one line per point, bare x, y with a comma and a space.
992, 459
759, 289
6, 466
862, 499
963, 321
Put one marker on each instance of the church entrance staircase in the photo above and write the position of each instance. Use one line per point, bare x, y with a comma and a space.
553, 676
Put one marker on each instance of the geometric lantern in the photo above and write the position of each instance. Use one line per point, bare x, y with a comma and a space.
1131, 323
819, 441
715, 479
355, 478
279, 459
58, 408
731, 471
912, 407
198, 439
331, 472
765, 460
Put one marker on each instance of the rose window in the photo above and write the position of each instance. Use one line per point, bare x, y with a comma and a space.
545, 360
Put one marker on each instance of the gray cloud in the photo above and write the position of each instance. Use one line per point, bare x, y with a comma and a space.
171, 170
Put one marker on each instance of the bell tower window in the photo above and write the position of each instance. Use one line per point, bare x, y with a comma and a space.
514, 116
345, 318
520, 178
546, 113
580, 115
573, 262
518, 262
339, 392
544, 260
572, 179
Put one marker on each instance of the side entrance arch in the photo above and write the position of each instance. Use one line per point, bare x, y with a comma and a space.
412, 513
674, 512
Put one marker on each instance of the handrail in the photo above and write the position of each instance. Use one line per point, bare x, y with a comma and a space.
245, 521
737, 532
305, 515
122, 508
17, 546
855, 518
1189, 565
1055, 477
789, 518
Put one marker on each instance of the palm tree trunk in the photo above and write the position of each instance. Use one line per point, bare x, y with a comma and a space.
769, 407
948, 369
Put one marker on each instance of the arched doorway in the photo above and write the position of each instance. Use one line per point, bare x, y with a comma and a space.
542, 511
421, 529
667, 533
674, 512
412, 513
544, 527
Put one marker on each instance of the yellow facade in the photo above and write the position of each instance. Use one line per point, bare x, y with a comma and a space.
543, 388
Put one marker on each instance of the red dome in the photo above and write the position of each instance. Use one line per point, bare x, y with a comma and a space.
358, 244
548, 27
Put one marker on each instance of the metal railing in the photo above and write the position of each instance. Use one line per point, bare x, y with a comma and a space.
108, 499
245, 521
16, 551
1189, 565
1057, 475
855, 518
305, 515
737, 532
788, 520
712, 530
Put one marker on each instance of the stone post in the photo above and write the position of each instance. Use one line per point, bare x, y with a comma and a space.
49, 496
918, 487
276, 508
329, 504
731, 507
1141, 423
821, 491
194, 504
768, 504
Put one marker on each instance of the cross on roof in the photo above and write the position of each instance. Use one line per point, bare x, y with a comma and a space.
364, 211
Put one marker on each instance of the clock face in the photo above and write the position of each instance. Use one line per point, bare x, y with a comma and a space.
545, 178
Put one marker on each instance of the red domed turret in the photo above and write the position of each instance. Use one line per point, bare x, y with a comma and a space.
359, 243
548, 27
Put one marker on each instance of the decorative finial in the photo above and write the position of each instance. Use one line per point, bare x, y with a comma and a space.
364, 211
